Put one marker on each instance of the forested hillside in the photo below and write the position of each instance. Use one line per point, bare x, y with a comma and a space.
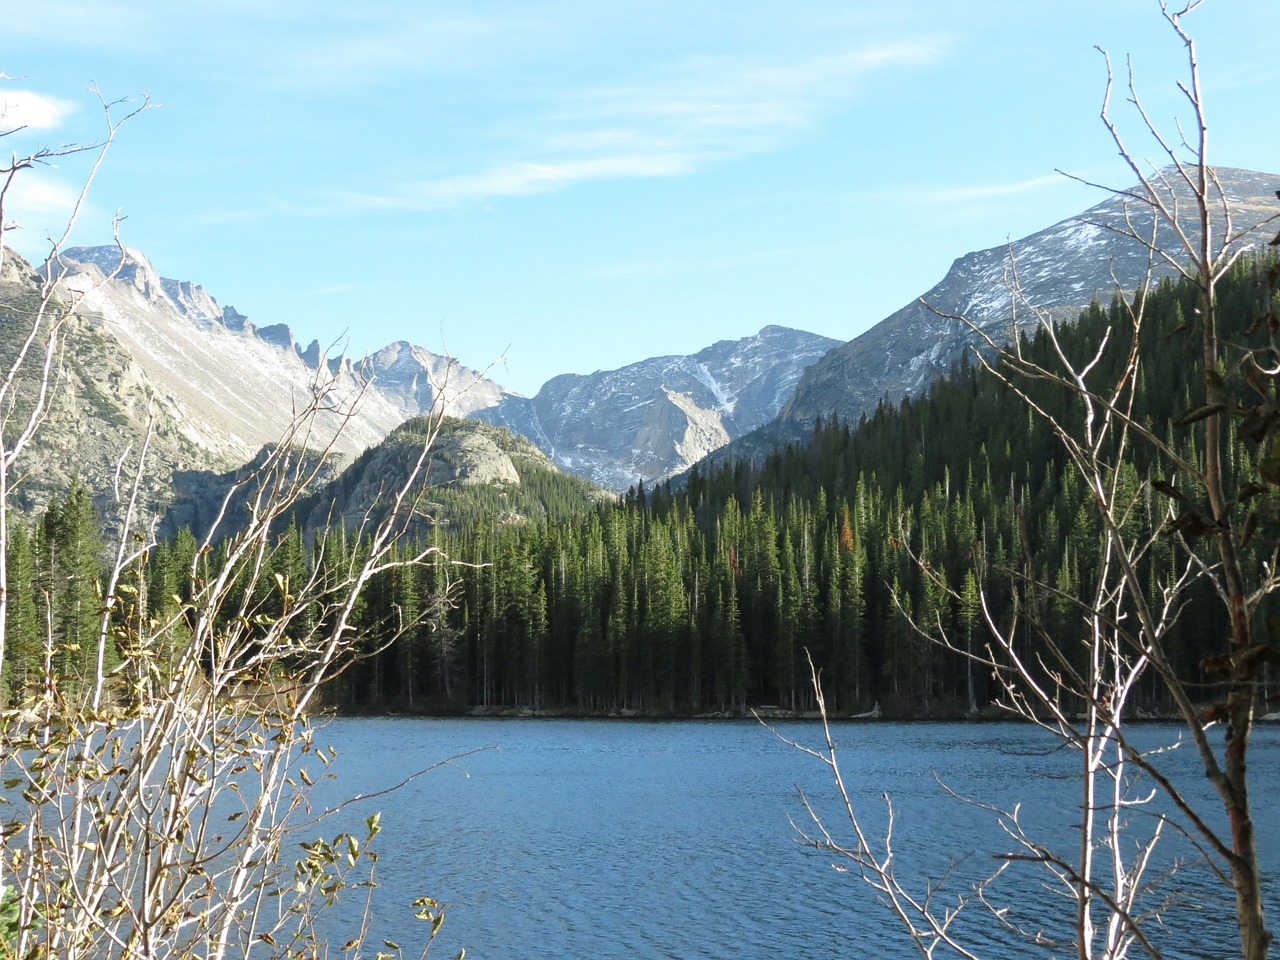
705, 599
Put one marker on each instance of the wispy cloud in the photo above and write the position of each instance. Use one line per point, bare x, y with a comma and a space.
524, 179
669, 123
105, 24
41, 197
357, 51
329, 290
673, 266
990, 191
36, 209
34, 111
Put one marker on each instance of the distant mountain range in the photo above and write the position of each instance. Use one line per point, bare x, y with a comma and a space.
653, 419
1059, 269
220, 387
229, 386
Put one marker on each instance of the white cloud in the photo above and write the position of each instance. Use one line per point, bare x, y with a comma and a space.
993, 191
37, 208
35, 111
32, 198
669, 123
522, 179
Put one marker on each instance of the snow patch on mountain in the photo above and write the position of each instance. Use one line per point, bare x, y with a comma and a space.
1058, 271
653, 419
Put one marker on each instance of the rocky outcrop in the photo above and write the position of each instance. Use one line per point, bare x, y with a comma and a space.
469, 463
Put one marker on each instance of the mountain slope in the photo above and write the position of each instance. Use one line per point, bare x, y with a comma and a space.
474, 471
99, 404
650, 420
1060, 269
231, 387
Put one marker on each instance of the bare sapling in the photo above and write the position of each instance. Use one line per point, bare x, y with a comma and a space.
1081, 686
157, 803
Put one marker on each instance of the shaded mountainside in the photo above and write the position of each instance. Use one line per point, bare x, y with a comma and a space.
1060, 269
100, 400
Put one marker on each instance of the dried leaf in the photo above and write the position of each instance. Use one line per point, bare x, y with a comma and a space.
1199, 413
1168, 490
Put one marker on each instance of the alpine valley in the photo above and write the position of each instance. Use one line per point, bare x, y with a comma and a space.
220, 387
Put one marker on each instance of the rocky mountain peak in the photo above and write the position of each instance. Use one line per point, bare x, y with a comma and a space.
653, 419
122, 265
1059, 269
129, 268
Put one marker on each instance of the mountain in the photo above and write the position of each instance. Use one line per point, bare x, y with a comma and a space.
229, 387
653, 419
98, 407
474, 471
220, 391
1059, 269
413, 380
218, 387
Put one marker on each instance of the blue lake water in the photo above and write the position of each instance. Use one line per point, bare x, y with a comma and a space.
599, 840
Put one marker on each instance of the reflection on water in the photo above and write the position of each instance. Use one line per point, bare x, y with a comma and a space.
598, 839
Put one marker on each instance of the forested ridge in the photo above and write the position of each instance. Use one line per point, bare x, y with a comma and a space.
705, 599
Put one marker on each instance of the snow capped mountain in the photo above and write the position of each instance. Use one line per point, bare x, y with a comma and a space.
653, 419
227, 387
416, 379
224, 387
1059, 269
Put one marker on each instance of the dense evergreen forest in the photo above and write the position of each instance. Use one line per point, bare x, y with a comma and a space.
705, 598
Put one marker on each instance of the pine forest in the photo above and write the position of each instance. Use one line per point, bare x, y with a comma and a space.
872, 548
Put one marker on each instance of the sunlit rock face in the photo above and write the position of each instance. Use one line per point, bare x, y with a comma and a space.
653, 419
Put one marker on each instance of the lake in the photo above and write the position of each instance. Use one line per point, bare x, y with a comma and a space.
608, 839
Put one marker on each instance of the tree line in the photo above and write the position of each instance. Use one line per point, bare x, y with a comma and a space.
859, 547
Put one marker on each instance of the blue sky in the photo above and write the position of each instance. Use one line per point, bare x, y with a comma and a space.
574, 185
